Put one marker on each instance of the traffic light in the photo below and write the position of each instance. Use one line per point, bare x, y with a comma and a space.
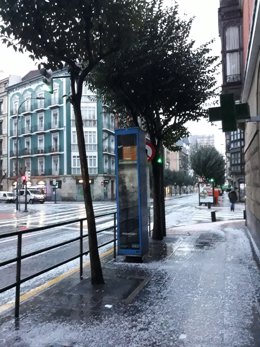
47, 79
159, 160
24, 180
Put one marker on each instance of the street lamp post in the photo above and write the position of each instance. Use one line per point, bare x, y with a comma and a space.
17, 149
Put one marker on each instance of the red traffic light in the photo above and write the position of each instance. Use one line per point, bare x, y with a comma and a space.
24, 179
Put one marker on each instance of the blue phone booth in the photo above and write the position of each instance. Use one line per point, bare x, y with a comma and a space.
131, 183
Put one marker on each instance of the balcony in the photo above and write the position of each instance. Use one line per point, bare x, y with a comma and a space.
54, 126
233, 78
55, 149
37, 128
26, 151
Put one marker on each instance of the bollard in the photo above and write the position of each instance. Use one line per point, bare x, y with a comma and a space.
209, 205
213, 216
244, 214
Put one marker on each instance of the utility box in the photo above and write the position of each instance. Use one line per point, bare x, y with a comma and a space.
131, 184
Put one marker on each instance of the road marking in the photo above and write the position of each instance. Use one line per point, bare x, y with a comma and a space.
36, 291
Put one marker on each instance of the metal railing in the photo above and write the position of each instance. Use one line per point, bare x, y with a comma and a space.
20, 256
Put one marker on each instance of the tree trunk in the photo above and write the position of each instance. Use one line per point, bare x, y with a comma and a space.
162, 203
158, 217
95, 264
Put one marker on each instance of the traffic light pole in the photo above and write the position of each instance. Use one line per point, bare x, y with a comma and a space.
25, 200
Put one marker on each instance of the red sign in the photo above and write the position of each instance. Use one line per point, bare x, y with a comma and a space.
150, 151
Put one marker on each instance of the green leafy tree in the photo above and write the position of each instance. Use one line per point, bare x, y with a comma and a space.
208, 164
161, 82
76, 35
178, 178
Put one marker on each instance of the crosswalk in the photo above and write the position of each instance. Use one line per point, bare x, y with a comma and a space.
40, 215
221, 214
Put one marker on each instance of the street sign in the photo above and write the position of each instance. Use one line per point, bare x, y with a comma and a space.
229, 112
150, 151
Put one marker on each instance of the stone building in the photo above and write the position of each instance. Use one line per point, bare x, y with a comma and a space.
239, 22
251, 94
230, 31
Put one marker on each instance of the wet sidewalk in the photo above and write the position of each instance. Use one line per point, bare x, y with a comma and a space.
199, 287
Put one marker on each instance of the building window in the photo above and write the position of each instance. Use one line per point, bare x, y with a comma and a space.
1, 107
113, 165
27, 164
55, 165
27, 145
74, 142
235, 158
1, 127
55, 142
15, 127
55, 95
15, 147
92, 164
90, 140
112, 122
40, 121
27, 121
76, 170
105, 164
27, 104
55, 119
89, 116
15, 106
40, 102
112, 144
41, 166
40, 144
232, 54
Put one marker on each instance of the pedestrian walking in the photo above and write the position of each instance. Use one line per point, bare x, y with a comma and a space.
232, 198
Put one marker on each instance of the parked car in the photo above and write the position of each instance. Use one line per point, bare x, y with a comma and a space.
33, 195
7, 196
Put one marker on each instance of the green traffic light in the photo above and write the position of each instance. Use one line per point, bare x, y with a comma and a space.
159, 160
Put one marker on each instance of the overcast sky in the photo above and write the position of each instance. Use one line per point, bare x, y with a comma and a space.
205, 28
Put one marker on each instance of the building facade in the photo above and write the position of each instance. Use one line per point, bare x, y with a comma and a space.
4, 83
42, 139
245, 61
231, 34
251, 94
202, 140
3, 132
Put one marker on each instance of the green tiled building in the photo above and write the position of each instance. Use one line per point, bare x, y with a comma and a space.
43, 141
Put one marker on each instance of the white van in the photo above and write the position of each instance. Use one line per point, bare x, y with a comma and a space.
33, 195
7, 196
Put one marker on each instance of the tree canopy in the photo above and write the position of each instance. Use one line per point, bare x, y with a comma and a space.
161, 81
178, 178
76, 35
62, 33
208, 163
